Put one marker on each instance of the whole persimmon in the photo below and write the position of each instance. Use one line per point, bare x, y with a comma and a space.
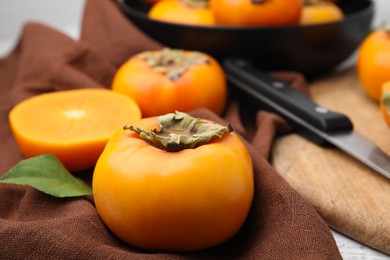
256, 12
385, 102
195, 12
317, 12
167, 80
174, 183
373, 62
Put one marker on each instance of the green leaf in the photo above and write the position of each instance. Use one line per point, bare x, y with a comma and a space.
47, 174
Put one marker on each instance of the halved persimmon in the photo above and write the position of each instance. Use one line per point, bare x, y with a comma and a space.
195, 12
73, 125
256, 12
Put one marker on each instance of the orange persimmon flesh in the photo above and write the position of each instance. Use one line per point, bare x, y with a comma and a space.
73, 125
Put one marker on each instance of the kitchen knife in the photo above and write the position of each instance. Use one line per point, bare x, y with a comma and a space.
308, 119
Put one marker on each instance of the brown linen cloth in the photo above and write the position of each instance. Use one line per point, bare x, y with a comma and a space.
281, 225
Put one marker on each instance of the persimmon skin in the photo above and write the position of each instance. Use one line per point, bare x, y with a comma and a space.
373, 62
173, 201
175, 11
201, 86
321, 13
40, 125
248, 13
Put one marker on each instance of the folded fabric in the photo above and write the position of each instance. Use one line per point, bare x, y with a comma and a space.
281, 224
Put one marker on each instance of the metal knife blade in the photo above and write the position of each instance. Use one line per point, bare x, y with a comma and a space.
312, 121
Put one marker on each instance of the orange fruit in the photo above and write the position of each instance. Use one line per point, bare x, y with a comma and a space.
385, 102
170, 80
373, 62
316, 12
73, 125
250, 13
176, 201
195, 12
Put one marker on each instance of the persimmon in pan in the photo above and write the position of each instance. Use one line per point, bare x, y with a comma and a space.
320, 11
256, 12
195, 12
73, 125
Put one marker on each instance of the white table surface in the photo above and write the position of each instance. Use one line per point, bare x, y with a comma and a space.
66, 15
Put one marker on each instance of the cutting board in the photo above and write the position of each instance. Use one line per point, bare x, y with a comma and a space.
350, 197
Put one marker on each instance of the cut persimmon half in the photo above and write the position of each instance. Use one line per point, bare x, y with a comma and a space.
73, 125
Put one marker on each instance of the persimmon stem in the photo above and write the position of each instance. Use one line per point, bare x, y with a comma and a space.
179, 131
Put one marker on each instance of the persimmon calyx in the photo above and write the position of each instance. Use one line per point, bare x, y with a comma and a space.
172, 62
179, 131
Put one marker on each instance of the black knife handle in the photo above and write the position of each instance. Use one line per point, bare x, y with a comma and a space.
277, 96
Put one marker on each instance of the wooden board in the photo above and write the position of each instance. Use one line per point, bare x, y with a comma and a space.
351, 198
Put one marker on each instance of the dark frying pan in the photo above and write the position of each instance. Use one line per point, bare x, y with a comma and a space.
310, 49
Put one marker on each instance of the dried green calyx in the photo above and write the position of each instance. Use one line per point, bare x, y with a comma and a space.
179, 131
172, 62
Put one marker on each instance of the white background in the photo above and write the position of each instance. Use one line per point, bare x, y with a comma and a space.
65, 16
